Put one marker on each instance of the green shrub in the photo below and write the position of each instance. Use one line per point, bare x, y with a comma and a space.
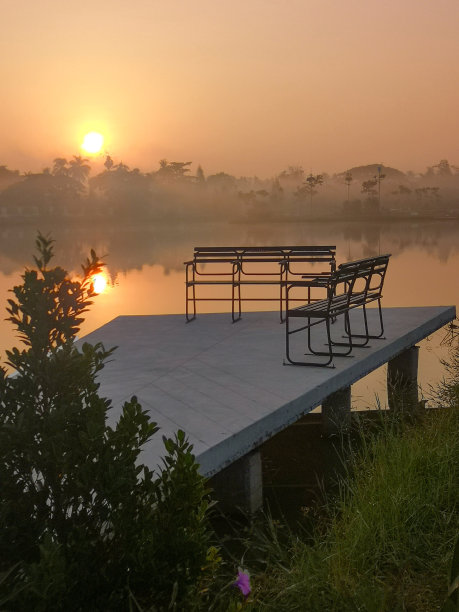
84, 526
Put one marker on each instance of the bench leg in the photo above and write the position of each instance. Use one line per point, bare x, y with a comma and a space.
235, 299
380, 334
187, 302
288, 333
367, 335
349, 335
331, 342
281, 302
330, 353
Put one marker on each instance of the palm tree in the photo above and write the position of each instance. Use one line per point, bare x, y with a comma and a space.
348, 180
172, 171
379, 178
60, 167
79, 168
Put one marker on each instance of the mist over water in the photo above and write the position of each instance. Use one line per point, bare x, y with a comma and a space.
175, 192
128, 247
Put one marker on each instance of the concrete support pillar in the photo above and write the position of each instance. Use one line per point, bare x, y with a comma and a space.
240, 485
402, 381
336, 412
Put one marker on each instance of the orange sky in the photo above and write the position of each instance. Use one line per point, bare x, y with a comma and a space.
243, 86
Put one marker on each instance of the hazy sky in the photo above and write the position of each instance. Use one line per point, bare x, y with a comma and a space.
244, 86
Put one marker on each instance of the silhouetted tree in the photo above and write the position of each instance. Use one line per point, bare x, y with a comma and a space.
222, 181
44, 194
308, 189
5, 172
200, 178
127, 192
60, 167
348, 180
172, 171
108, 163
402, 192
277, 193
368, 187
293, 174
8, 177
248, 197
79, 168
427, 195
435, 191
257, 208
379, 177
444, 169
405, 191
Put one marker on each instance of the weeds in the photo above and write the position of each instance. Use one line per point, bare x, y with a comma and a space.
389, 541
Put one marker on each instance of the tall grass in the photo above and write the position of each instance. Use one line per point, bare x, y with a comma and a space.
385, 542
392, 530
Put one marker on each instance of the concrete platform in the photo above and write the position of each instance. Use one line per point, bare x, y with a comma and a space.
225, 384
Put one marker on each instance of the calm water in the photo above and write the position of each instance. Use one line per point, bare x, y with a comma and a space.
146, 265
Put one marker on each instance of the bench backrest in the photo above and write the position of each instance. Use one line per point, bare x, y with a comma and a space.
273, 251
362, 277
288, 255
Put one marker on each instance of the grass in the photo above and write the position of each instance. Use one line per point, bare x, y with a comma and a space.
388, 540
385, 542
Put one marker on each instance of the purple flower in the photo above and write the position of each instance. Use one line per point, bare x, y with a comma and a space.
243, 582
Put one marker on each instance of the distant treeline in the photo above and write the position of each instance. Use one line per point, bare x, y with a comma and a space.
172, 192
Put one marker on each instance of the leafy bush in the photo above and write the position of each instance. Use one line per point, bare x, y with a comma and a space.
84, 526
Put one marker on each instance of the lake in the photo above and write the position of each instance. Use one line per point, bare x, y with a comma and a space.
146, 266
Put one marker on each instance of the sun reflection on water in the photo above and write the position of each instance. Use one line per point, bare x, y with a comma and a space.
100, 282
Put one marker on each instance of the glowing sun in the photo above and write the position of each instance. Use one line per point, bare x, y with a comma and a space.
92, 143
99, 282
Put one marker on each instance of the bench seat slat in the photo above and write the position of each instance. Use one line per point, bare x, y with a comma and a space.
323, 308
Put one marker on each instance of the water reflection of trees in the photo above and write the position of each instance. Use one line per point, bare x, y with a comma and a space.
130, 247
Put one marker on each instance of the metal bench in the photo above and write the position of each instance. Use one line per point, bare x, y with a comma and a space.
243, 266
353, 285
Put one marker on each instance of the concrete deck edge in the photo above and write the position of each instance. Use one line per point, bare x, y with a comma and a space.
234, 447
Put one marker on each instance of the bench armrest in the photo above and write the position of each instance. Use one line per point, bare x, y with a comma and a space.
316, 275
316, 279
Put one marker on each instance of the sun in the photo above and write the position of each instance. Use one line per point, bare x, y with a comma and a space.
92, 143
99, 282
